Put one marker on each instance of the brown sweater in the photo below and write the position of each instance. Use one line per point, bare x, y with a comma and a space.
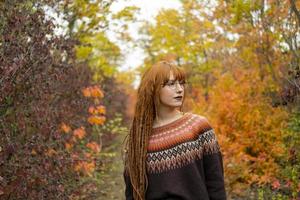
184, 162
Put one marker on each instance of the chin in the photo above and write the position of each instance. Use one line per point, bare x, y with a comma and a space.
172, 104
176, 105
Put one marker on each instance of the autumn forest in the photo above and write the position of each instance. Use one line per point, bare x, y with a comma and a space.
66, 107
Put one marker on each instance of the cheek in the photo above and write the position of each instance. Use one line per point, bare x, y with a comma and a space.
165, 94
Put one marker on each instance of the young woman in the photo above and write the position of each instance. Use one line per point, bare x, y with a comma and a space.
170, 154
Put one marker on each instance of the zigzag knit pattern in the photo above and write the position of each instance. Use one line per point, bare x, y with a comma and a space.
179, 143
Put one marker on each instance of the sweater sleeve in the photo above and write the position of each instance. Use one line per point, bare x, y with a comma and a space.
128, 186
213, 168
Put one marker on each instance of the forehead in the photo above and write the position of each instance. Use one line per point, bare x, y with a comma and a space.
171, 76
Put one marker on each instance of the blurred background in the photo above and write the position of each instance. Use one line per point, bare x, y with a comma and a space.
69, 70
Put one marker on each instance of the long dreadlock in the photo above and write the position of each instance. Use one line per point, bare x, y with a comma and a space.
141, 127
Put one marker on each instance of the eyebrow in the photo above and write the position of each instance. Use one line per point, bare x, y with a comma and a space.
175, 80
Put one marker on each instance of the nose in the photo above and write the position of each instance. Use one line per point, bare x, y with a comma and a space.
178, 86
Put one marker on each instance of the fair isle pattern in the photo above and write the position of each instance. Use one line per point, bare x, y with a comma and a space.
159, 132
182, 154
181, 147
183, 130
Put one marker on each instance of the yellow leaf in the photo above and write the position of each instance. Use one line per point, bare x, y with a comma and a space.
83, 52
99, 120
101, 110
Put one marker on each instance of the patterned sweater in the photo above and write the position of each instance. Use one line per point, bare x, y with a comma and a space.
184, 162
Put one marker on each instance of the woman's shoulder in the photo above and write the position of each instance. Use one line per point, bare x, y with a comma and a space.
200, 121
199, 117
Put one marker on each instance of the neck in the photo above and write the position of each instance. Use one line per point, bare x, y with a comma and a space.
166, 114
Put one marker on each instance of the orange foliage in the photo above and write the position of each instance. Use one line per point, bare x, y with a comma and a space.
93, 91
248, 128
92, 110
65, 128
79, 133
98, 120
68, 146
276, 184
100, 110
97, 110
51, 152
85, 167
93, 146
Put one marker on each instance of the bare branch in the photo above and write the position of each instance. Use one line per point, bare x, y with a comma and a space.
296, 11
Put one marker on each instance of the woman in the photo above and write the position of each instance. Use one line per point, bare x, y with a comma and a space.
170, 154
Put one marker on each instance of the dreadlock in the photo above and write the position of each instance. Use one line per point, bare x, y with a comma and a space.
141, 127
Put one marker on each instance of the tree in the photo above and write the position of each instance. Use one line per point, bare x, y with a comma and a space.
236, 61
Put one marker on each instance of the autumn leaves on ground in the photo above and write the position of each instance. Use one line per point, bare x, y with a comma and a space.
65, 107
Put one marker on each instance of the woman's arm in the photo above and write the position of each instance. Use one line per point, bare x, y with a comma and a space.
213, 168
128, 186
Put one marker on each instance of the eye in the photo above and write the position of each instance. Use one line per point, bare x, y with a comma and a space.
171, 83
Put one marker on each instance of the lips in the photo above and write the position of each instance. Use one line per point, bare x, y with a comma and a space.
178, 97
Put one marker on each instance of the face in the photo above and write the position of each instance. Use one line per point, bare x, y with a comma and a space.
171, 94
